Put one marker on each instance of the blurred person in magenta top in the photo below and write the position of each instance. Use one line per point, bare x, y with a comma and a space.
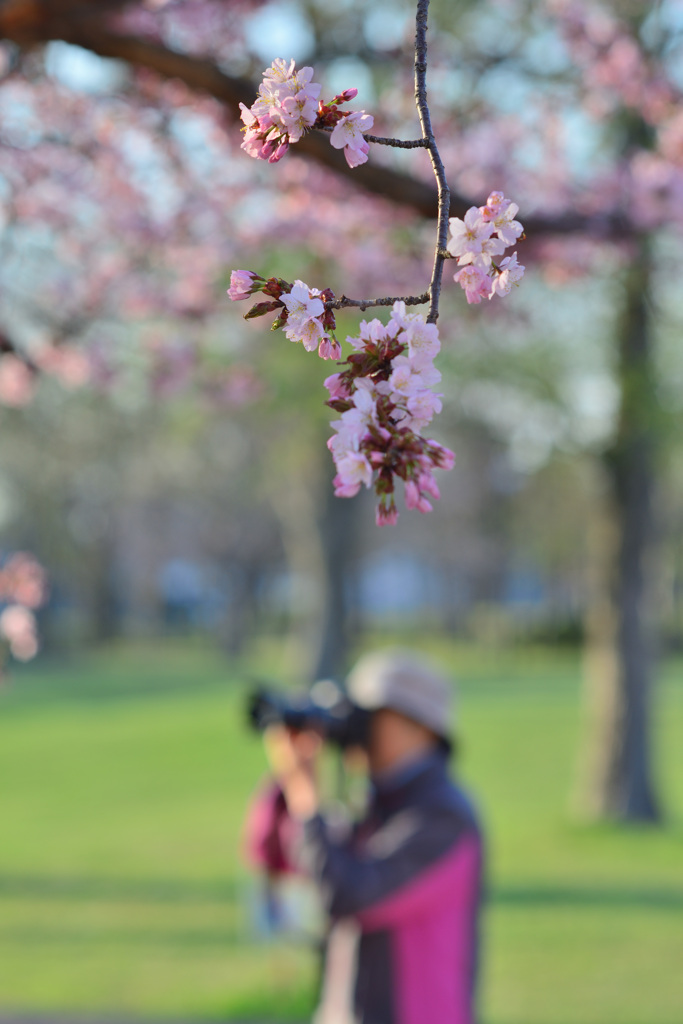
403, 889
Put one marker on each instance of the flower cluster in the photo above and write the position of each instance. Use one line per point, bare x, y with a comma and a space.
384, 391
23, 589
385, 399
301, 310
288, 106
486, 231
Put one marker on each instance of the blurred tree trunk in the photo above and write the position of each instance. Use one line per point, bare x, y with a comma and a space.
237, 627
338, 534
319, 533
617, 778
105, 621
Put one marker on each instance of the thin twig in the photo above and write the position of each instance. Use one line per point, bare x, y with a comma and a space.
437, 163
397, 143
441, 253
344, 302
385, 141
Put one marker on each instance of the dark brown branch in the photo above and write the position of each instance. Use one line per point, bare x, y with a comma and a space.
32, 23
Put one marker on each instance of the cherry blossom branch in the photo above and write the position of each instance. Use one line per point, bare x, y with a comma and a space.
383, 390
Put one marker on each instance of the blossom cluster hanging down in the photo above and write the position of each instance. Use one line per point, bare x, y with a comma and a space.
288, 106
386, 400
486, 231
383, 391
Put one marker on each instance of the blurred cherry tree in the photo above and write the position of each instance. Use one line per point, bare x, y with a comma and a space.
125, 197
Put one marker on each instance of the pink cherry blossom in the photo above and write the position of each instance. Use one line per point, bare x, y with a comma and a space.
309, 332
301, 304
510, 273
348, 135
422, 408
358, 155
423, 338
374, 331
298, 113
468, 235
483, 257
282, 70
496, 204
476, 283
352, 471
507, 228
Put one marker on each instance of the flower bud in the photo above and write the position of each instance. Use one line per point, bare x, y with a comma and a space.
243, 283
261, 308
346, 96
386, 515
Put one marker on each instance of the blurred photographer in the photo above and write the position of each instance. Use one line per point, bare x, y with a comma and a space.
403, 890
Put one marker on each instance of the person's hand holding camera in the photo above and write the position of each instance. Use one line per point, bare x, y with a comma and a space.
293, 758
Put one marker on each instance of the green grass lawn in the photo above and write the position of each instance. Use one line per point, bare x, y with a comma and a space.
123, 781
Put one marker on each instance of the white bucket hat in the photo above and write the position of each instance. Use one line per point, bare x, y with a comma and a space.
406, 682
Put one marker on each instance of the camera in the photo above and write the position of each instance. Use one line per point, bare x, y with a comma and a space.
325, 709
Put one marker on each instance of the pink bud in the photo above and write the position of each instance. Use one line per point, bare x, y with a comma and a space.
442, 457
428, 485
344, 490
344, 97
242, 284
386, 516
336, 387
412, 494
279, 152
329, 348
